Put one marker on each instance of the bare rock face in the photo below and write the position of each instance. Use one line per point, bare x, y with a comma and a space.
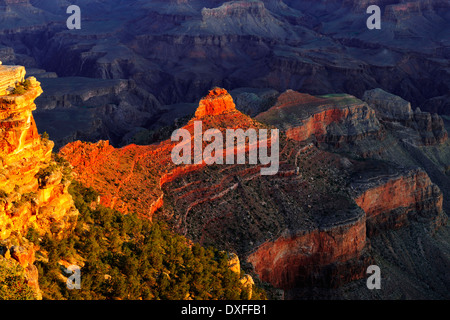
391, 108
235, 266
330, 256
104, 167
33, 193
306, 226
111, 171
218, 101
234, 263
387, 106
242, 18
10, 76
332, 119
319, 257
244, 43
235, 8
391, 200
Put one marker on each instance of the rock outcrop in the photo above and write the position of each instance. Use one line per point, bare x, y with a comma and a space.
33, 193
182, 48
24, 255
132, 178
392, 200
333, 119
393, 109
325, 257
303, 227
218, 101
33, 189
127, 179
235, 266
296, 228
11, 75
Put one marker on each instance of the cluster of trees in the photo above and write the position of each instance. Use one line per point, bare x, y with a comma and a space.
127, 257
13, 283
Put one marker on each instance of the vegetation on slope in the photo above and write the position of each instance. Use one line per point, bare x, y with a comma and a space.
126, 257
13, 284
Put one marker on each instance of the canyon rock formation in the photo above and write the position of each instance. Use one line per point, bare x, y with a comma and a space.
332, 119
364, 160
173, 52
217, 102
34, 190
307, 226
391, 108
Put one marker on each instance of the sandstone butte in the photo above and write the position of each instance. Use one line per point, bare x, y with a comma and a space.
217, 102
297, 228
341, 119
332, 119
32, 191
121, 175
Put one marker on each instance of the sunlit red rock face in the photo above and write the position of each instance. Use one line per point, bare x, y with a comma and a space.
218, 101
391, 200
300, 227
332, 119
390, 195
32, 190
297, 228
131, 178
330, 257
29, 198
127, 178
325, 257
10, 76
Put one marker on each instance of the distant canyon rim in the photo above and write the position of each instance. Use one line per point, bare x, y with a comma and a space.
134, 73
363, 175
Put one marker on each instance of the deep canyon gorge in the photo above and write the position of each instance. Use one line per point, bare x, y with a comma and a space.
363, 115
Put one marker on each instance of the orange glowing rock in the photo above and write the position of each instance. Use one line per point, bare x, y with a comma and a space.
218, 101
33, 193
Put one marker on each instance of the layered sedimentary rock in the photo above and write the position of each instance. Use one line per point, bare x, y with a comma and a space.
218, 101
30, 182
33, 191
235, 8
391, 109
391, 200
126, 178
179, 49
328, 256
122, 175
11, 75
299, 228
388, 198
333, 119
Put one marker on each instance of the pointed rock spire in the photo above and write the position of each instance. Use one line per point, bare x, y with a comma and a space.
218, 101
